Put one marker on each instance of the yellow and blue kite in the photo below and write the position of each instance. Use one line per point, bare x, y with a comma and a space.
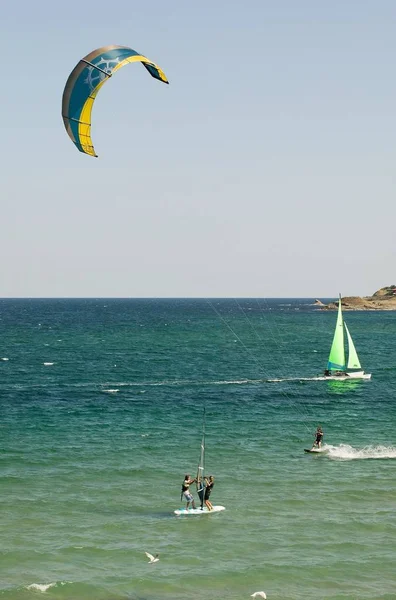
84, 83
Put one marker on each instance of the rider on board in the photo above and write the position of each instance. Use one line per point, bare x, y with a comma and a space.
185, 491
318, 437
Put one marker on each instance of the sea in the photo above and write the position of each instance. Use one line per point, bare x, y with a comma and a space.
101, 416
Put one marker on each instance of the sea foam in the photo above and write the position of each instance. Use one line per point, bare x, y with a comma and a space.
41, 587
346, 452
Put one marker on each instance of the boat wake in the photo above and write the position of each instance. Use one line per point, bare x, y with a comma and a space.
297, 379
182, 382
112, 387
346, 452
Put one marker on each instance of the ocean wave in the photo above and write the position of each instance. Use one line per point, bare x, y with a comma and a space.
40, 587
43, 587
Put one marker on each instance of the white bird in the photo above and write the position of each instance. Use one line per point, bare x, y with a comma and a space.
152, 558
262, 594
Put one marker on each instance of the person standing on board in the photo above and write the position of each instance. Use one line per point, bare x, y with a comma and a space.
209, 483
186, 491
318, 437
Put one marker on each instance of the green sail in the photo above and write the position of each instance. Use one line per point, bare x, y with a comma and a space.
337, 351
353, 360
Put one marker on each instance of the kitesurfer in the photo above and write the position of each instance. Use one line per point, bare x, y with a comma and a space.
209, 483
185, 491
318, 437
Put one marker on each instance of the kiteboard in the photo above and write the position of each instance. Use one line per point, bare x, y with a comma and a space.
313, 450
198, 511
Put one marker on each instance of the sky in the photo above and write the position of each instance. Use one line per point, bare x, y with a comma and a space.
265, 169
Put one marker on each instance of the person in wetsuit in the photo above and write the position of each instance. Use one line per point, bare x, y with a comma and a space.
185, 491
318, 437
209, 483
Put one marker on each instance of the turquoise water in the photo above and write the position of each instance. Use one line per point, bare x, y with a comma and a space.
101, 412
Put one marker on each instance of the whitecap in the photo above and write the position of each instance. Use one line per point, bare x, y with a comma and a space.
5, 358
48, 364
111, 391
40, 587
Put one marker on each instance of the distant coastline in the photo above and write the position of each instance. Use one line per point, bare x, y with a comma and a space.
383, 299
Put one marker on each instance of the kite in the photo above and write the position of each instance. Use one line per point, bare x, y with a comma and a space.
84, 83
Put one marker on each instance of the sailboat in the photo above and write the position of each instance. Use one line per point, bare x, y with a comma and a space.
337, 368
200, 483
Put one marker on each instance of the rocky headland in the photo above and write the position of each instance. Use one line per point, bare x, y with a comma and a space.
383, 299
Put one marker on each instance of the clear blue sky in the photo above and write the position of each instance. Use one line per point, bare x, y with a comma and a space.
266, 167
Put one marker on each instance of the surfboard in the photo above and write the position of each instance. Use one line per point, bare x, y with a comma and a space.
198, 511
313, 450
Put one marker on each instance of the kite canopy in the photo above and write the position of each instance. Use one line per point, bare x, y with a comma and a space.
84, 83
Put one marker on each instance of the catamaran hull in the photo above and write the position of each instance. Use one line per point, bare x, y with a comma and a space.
348, 376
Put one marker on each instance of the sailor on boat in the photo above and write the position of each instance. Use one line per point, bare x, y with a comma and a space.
328, 373
185, 491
